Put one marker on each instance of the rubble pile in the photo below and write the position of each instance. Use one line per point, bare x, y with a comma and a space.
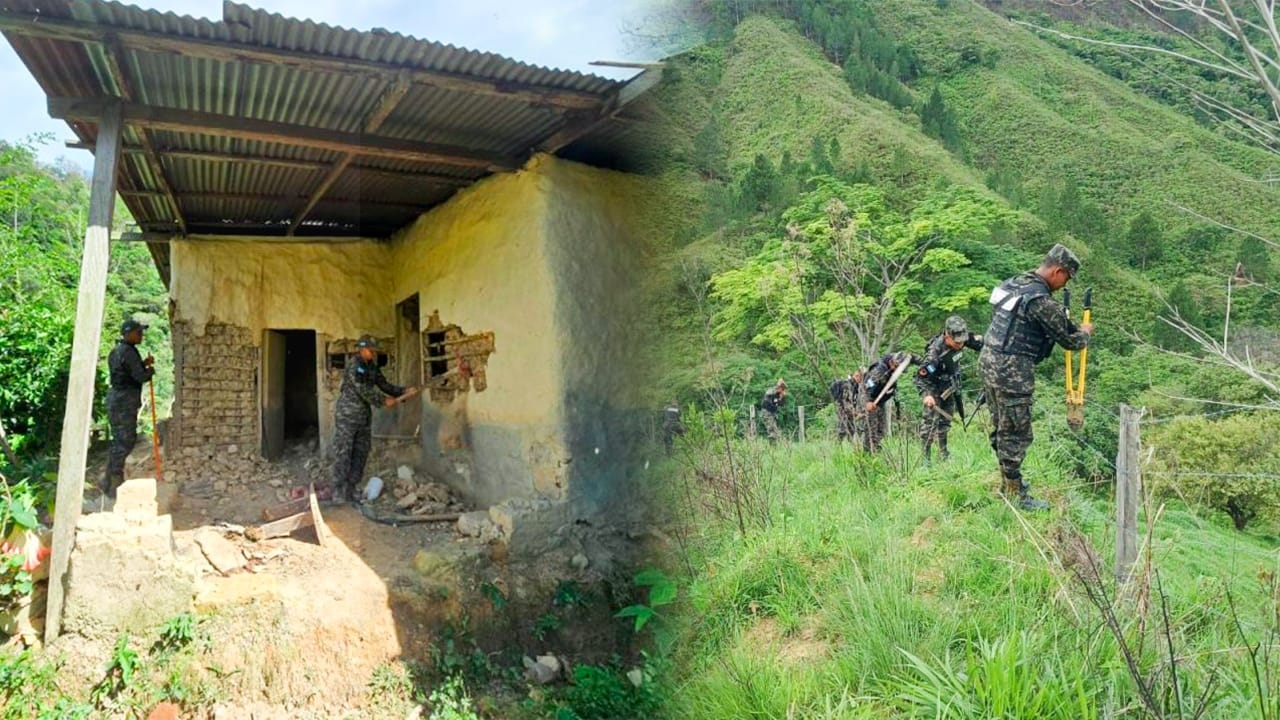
411, 494
220, 471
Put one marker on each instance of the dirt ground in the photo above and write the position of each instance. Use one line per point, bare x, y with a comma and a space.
300, 629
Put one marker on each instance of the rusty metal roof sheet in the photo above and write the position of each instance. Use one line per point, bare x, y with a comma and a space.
281, 73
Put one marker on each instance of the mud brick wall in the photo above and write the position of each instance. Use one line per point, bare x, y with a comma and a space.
215, 386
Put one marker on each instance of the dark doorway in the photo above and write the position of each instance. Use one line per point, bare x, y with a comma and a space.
289, 407
301, 415
409, 362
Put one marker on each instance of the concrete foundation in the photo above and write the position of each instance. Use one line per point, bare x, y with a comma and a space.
124, 575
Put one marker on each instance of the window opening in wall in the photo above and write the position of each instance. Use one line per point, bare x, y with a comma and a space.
437, 355
455, 361
337, 361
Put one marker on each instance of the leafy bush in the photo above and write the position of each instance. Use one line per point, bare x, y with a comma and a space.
1230, 464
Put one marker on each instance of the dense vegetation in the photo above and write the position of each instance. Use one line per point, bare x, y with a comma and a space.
45, 211
809, 142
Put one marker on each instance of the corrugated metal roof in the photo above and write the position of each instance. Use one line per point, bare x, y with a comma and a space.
260, 66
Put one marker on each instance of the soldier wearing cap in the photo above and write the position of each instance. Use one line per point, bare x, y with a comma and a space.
362, 388
1026, 323
129, 371
772, 401
878, 387
938, 382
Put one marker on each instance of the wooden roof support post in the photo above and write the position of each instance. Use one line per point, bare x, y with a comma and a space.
84, 362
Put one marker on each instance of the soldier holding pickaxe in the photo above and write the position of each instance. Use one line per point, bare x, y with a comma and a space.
879, 386
938, 382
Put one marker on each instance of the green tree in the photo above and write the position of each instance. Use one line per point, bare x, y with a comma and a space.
1255, 259
1145, 240
852, 274
759, 185
1182, 304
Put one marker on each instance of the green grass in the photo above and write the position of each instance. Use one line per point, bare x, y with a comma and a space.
883, 594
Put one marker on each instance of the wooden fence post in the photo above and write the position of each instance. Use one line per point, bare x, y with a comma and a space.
751, 429
801, 423
84, 363
1128, 487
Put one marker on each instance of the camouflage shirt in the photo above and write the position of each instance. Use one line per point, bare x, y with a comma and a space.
361, 383
878, 377
1017, 373
940, 368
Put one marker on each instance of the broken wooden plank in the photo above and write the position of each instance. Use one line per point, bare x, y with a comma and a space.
317, 520
282, 527
293, 507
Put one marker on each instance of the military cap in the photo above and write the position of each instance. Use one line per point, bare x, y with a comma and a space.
130, 325
1062, 257
367, 341
957, 328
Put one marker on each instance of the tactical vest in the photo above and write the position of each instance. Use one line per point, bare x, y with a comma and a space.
1011, 331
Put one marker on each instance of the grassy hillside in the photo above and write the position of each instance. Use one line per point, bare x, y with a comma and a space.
875, 587
1042, 112
881, 588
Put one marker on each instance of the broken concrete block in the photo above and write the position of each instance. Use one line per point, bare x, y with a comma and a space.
536, 672
407, 501
222, 554
474, 524
124, 577
405, 473
529, 526
137, 496
551, 662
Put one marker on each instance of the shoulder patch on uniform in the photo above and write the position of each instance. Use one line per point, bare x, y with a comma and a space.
924, 371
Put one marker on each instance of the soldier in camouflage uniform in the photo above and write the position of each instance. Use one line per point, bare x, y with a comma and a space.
938, 382
769, 405
843, 392
877, 379
671, 425
129, 372
1026, 322
362, 388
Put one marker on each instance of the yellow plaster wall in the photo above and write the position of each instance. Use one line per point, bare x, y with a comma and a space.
336, 289
481, 261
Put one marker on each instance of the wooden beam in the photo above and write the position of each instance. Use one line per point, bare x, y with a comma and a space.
209, 156
382, 109
164, 238
42, 26
585, 123
84, 361
203, 123
114, 57
373, 202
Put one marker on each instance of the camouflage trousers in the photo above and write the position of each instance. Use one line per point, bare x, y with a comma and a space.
352, 441
670, 431
771, 425
1011, 429
877, 426
934, 426
848, 420
122, 414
